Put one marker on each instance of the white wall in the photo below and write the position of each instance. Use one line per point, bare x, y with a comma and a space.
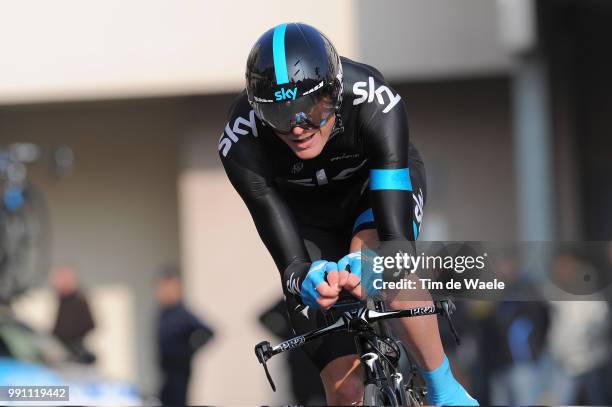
423, 39
231, 279
71, 49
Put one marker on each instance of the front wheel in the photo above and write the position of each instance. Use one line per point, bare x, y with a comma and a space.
375, 396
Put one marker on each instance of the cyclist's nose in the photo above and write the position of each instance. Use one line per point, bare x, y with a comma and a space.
297, 131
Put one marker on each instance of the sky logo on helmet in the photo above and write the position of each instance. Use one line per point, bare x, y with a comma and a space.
286, 94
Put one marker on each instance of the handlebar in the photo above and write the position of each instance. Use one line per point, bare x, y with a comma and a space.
354, 320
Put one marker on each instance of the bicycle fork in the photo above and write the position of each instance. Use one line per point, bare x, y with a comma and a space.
391, 385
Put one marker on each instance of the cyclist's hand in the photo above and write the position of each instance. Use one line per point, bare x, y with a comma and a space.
315, 291
354, 282
352, 279
337, 278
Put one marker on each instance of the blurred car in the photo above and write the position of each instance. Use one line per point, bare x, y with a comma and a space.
29, 358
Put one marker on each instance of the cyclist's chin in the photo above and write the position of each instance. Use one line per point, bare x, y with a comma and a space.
309, 148
308, 153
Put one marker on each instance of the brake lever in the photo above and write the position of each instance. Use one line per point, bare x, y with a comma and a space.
448, 307
262, 351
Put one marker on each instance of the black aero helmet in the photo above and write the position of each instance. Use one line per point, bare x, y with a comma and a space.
294, 77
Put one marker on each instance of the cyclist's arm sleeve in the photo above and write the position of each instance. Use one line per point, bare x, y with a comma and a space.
384, 130
272, 217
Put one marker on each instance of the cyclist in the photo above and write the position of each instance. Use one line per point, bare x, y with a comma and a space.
317, 147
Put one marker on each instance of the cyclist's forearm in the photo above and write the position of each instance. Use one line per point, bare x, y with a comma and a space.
293, 276
393, 213
272, 217
278, 231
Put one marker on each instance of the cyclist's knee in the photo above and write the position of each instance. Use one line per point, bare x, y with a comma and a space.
343, 381
345, 392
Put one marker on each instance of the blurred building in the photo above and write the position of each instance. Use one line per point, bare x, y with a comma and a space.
507, 102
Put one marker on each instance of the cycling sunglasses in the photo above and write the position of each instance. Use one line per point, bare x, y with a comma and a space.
308, 112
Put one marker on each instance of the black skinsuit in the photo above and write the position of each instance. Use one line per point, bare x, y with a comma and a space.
306, 210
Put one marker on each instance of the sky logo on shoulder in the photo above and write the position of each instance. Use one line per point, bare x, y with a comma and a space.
286, 94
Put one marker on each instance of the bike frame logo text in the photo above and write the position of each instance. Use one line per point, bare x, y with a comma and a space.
292, 343
286, 94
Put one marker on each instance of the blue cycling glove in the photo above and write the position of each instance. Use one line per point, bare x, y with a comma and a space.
316, 275
353, 260
361, 265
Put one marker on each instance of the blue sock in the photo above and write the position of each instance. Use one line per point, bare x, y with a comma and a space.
443, 389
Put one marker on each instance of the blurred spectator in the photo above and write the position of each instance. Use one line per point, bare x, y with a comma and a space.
579, 353
74, 319
514, 337
467, 359
179, 335
579, 342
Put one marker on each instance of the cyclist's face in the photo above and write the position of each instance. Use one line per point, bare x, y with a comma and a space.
307, 144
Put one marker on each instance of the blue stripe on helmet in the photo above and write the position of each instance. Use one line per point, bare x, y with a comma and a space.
278, 51
398, 179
